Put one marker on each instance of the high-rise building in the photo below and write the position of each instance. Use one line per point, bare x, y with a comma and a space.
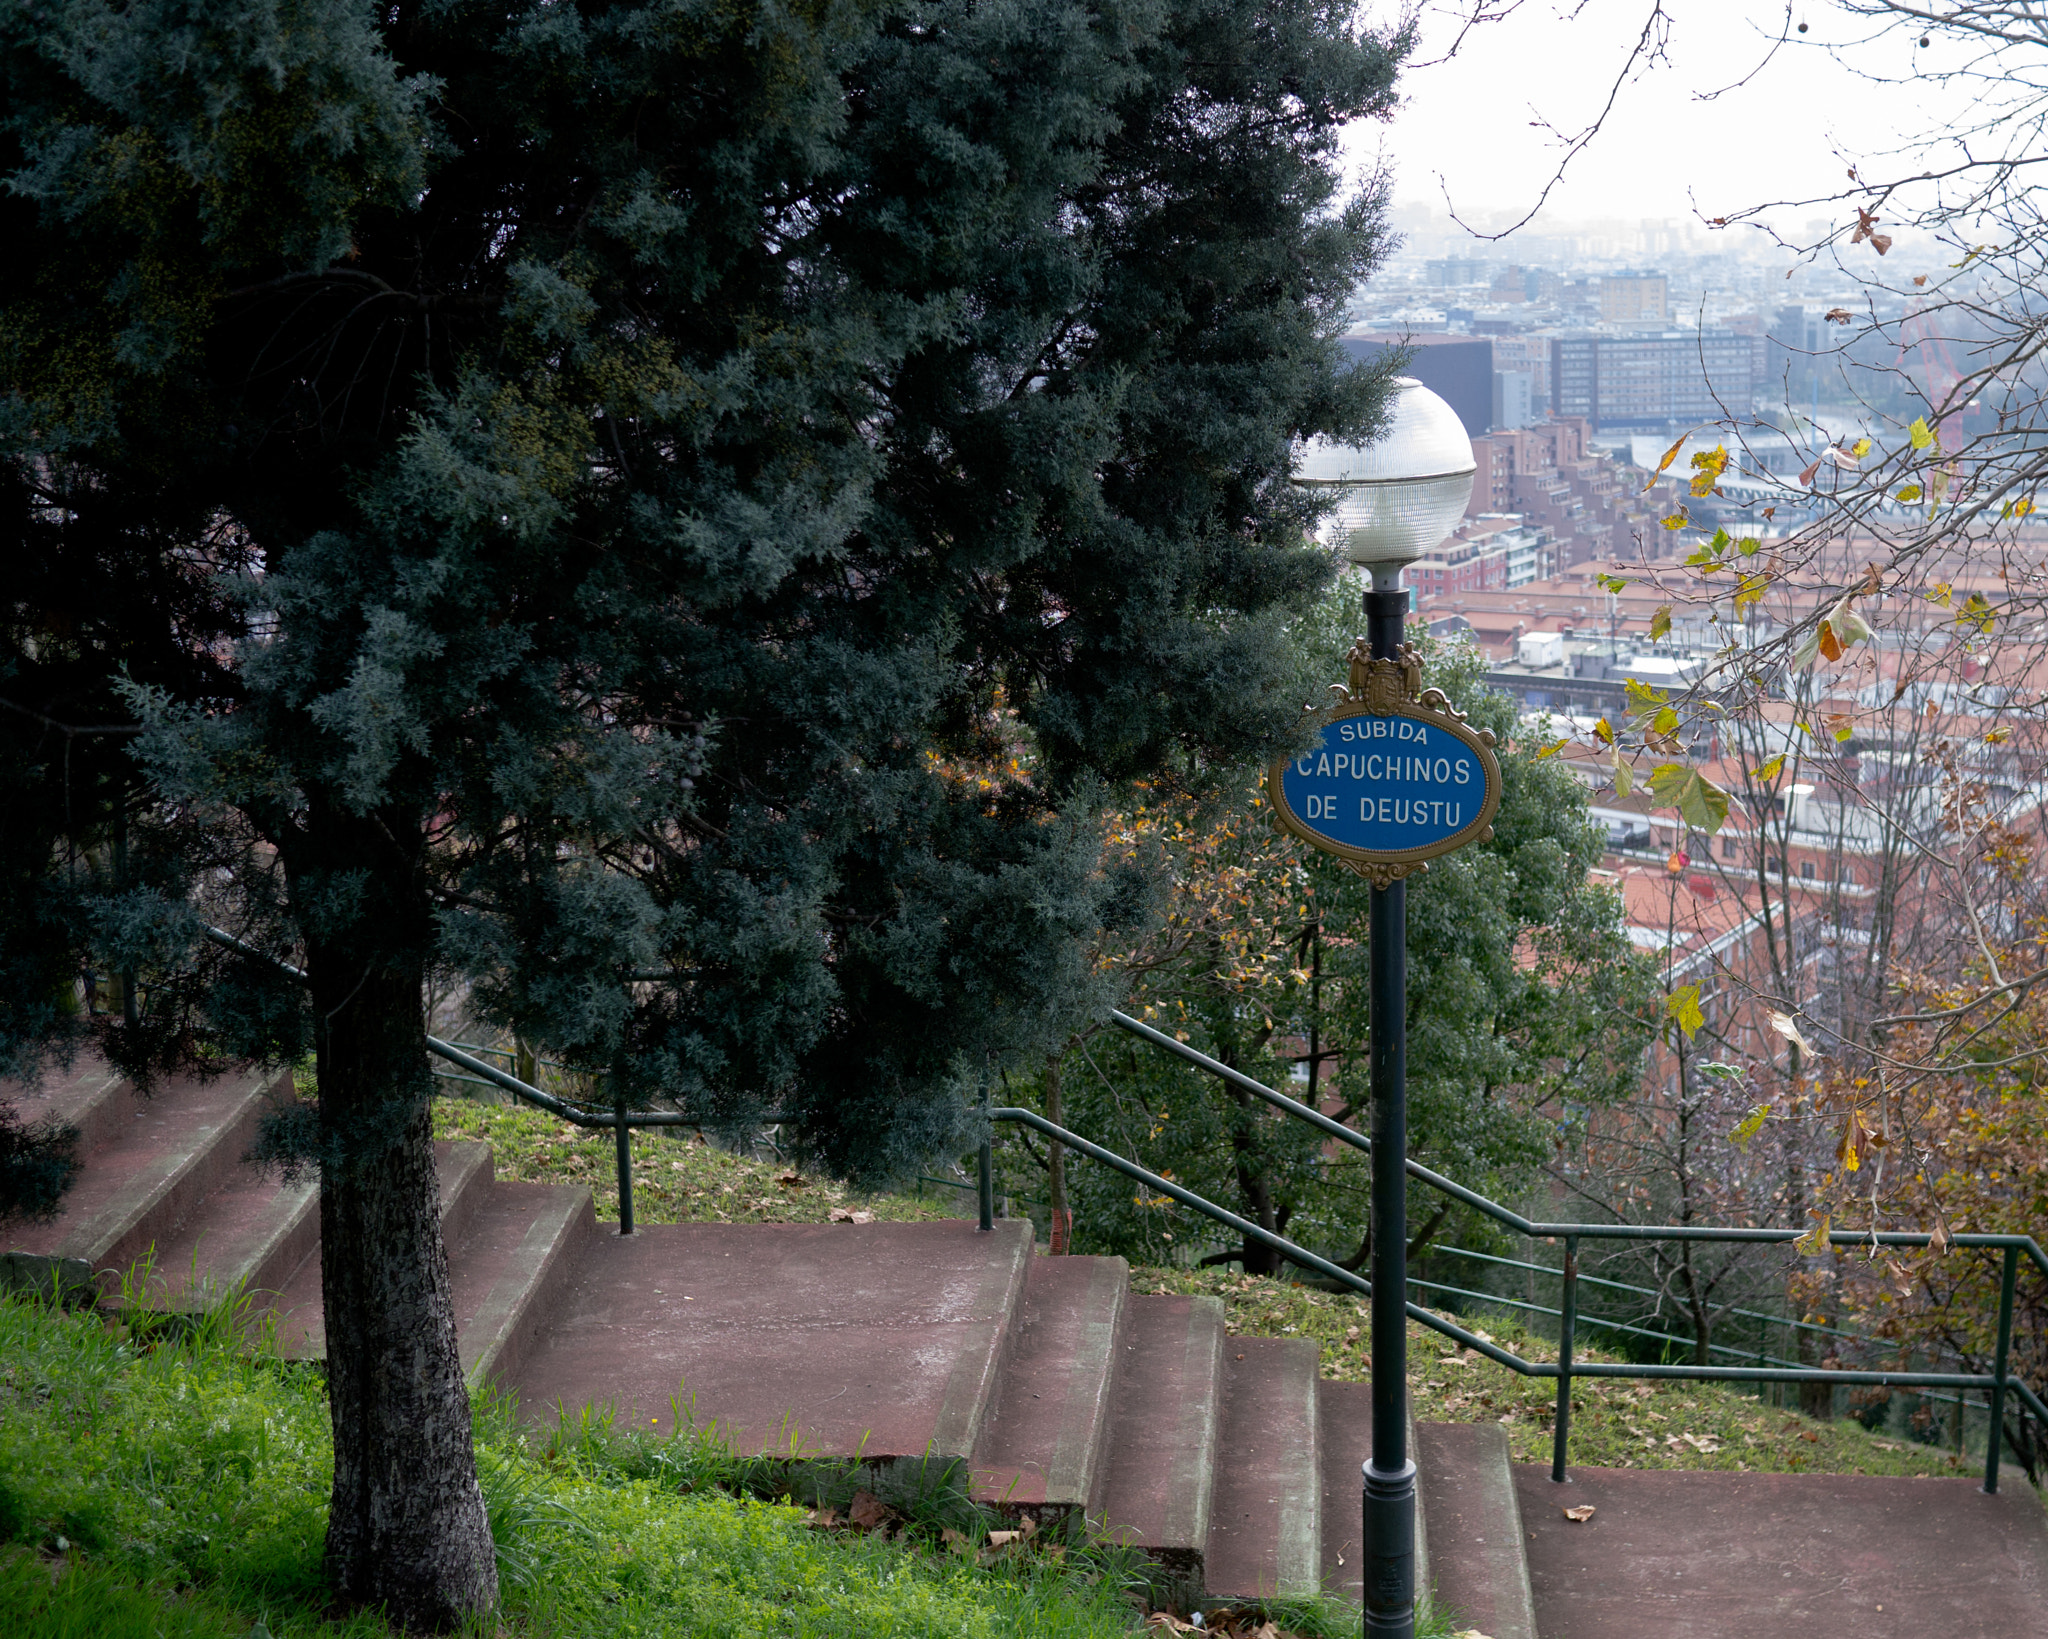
1647, 382
1530, 356
1458, 369
1513, 399
1635, 298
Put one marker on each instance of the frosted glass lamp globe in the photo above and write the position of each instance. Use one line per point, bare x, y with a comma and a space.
1399, 497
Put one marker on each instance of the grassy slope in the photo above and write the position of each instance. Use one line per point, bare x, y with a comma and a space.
675, 1180
1615, 1424
183, 1492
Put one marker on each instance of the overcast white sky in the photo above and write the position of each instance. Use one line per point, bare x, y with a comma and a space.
1466, 130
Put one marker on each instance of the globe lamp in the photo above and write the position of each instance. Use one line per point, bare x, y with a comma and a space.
1400, 496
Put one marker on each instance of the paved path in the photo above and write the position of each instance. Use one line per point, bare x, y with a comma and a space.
1672, 1555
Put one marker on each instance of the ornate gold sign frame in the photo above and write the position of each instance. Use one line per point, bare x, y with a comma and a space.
1393, 688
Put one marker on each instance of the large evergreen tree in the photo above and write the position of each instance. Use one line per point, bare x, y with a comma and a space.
550, 491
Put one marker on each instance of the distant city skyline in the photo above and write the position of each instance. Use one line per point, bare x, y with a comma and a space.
1463, 139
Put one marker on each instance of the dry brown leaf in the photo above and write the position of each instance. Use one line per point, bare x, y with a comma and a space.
826, 1519
1167, 1622
847, 1215
869, 1512
1580, 1514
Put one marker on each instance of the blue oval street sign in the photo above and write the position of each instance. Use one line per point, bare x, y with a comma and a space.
1390, 780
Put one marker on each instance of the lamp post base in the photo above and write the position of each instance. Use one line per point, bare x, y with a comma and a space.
1390, 1552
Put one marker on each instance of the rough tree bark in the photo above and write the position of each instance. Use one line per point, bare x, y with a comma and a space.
407, 1528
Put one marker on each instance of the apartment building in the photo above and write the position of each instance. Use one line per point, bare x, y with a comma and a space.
1635, 298
1651, 381
1549, 476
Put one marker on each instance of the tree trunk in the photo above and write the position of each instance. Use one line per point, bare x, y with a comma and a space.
407, 1528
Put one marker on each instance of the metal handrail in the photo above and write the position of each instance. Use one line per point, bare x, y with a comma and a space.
1559, 1231
621, 1120
1997, 1383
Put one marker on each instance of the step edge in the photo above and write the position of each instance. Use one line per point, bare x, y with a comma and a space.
1084, 1478
461, 1195
251, 1262
1073, 1475
1206, 1331
127, 1215
1499, 1464
445, 1204
971, 1385
1306, 1577
1298, 1551
1525, 1587
501, 1332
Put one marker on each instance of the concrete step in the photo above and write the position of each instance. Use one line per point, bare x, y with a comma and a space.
881, 1341
512, 1270
1344, 1433
157, 1160
1690, 1555
1164, 1428
254, 1231
463, 1172
1265, 1531
1041, 1452
88, 1096
1479, 1550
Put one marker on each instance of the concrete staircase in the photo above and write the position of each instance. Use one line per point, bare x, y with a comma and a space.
1052, 1386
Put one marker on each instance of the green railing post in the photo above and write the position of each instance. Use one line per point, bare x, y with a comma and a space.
985, 1163
1995, 1437
625, 1142
1560, 1435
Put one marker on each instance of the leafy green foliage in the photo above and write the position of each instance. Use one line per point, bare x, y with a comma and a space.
1526, 1006
559, 490
37, 1164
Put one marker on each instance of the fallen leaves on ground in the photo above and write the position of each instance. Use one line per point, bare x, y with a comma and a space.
1224, 1624
1580, 1514
867, 1512
851, 1215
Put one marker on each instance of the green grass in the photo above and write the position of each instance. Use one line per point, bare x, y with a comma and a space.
1616, 1423
675, 1180
182, 1490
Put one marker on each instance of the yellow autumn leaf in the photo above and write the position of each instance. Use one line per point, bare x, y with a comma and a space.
1815, 1241
1750, 1125
1770, 770
1683, 1006
1660, 622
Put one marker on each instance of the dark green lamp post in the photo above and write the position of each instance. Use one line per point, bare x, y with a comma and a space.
1393, 779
